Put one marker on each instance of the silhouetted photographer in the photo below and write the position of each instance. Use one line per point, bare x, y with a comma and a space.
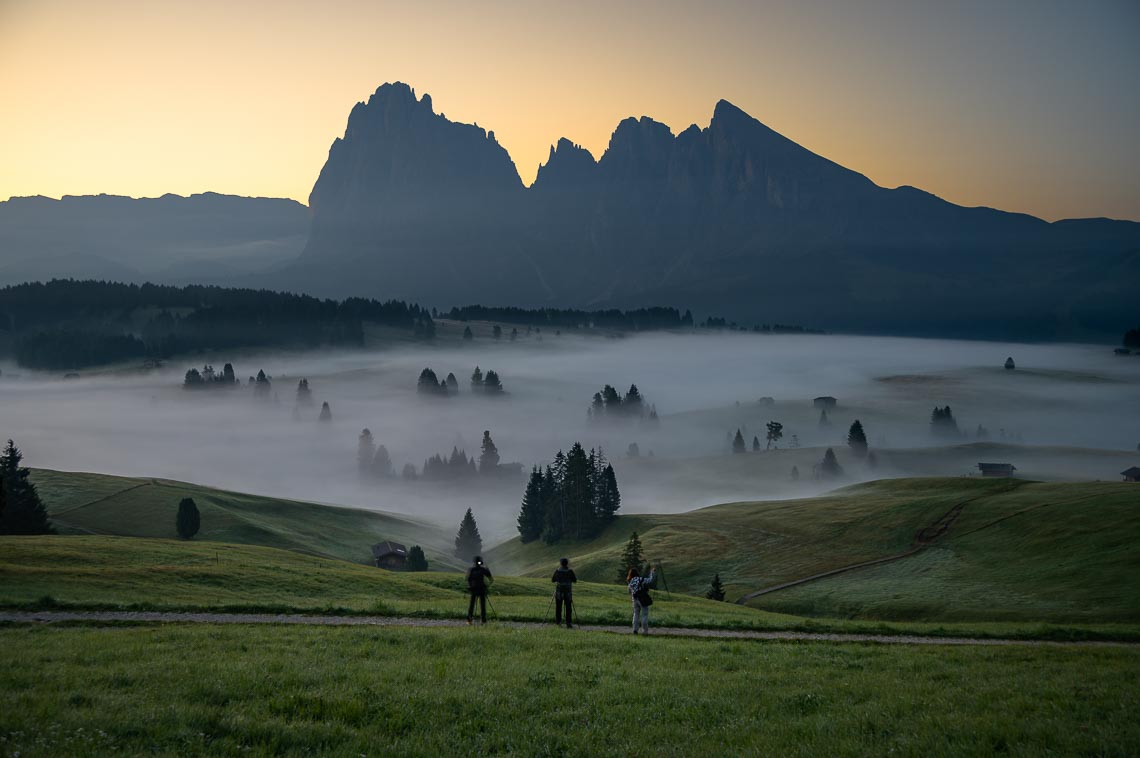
564, 579
477, 577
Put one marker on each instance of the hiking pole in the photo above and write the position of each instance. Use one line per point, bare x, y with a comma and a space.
549, 605
492, 607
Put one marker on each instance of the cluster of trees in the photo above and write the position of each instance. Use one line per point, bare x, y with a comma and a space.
417, 561
208, 378
575, 497
942, 423
720, 323
1132, 338
69, 324
642, 319
375, 463
610, 405
430, 384
372, 460
21, 510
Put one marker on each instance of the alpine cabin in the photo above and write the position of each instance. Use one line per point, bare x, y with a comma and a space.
1002, 470
1131, 474
389, 555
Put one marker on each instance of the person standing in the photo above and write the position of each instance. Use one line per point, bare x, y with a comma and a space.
564, 579
639, 592
477, 577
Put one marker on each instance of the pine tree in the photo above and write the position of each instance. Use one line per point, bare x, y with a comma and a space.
578, 489
942, 423
428, 384
23, 513
738, 443
304, 394
775, 433
611, 400
716, 589
326, 412
468, 543
857, 439
476, 380
382, 463
632, 404
467, 335
829, 468
755, 444
188, 520
365, 451
609, 498
497, 332
514, 334
263, 385
417, 561
631, 555
532, 517
228, 374
489, 458
193, 379
452, 384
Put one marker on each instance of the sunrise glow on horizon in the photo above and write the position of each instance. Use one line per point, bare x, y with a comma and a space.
981, 105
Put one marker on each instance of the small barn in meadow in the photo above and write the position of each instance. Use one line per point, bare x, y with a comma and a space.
389, 555
1003, 470
825, 402
1131, 474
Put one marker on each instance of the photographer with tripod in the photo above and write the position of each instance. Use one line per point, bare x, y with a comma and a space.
563, 580
477, 577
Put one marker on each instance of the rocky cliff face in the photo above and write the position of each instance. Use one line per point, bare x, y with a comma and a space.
732, 217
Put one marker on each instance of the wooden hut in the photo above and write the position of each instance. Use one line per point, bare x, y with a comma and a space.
1002, 470
389, 555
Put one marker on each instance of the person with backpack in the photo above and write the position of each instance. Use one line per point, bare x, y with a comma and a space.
477, 577
563, 580
639, 591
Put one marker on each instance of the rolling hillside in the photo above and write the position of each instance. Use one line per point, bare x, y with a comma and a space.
1017, 550
81, 503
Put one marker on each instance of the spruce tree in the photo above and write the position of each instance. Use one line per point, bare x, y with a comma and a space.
467, 335
532, 516
631, 555
738, 443
326, 412
468, 543
417, 561
755, 444
857, 439
829, 467
632, 404
578, 489
304, 394
609, 498
476, 380
489, 458
188, 520
716, 589
428, 383
24, 512
497, 332
382, 463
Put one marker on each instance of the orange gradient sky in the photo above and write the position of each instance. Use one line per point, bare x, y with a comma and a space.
1027, 106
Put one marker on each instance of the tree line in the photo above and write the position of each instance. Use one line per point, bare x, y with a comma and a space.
67, 324
610, 405
430, 384
574, 497
641, 319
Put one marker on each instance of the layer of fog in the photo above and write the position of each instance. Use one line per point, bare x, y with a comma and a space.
704, 388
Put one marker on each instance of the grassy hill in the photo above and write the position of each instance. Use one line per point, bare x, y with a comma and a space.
1018, 550
81, 503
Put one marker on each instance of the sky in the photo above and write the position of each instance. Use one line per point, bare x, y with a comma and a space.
1027, 106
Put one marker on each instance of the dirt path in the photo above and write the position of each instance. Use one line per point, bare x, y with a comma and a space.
111, 617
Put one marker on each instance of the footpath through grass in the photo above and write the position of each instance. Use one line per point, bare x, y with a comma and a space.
123, 573
179, 690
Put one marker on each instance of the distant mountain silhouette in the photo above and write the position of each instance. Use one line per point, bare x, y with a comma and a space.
733, 218
169, 238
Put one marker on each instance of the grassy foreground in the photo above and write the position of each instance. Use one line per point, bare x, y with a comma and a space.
177, 690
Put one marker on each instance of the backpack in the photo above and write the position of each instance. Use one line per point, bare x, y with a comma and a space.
642, 595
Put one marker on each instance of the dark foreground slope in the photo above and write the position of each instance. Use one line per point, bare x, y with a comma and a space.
732, 218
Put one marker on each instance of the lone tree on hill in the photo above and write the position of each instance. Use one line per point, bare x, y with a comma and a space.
417, 561
188, 520
829, 467
382, 463
326, 412
476, 380
738, 443
716, 589
452, 384
857, 439
365, 451
632, 556
468, 543
489, 458
23, 512
775, 433
755, 444
467, 335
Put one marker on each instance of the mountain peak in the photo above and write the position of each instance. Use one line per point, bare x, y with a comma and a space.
569, 164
